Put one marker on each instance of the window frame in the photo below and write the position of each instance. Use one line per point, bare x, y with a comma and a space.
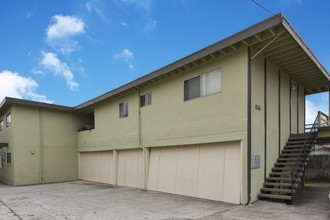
8, 155
147, 99
2, 125
8, 122
203, 86
123, 109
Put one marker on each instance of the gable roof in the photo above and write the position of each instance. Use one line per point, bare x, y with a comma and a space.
274, 38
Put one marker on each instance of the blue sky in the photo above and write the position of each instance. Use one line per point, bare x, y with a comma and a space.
67, 52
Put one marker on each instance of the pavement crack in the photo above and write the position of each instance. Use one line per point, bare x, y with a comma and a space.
12, 211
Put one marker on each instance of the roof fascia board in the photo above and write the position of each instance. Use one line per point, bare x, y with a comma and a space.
244, 34
14, 101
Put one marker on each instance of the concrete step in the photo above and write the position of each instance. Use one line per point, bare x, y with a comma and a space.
300, 142
291, 159
286, 185
301, 135
281, 190
296, 150
274, 196
282, 179
293, 154
289, 164
274, 169
280, 173
298, 146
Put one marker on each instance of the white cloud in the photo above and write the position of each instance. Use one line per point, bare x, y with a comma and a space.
14, 85
151, 25
145, 4
127, 56
97, 6
312, 109
89, 6
51, 62
61, 31
124, 24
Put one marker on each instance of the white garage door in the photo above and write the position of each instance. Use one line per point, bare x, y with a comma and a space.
97, 167
130, 168
101, 167
210, 171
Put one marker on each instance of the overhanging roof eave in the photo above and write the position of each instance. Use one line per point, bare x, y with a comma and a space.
303, 45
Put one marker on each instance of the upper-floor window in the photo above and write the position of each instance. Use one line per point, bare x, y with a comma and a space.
202, 85
8, 120
123, 109
1, 125
145, 99
8, 157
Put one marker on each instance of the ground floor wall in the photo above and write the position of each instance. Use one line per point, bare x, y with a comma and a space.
210, 171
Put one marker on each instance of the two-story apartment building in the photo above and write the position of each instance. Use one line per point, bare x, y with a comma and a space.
210, 125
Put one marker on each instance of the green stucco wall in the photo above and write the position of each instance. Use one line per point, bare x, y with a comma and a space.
6, 136
43, 146
170, 120
273, 96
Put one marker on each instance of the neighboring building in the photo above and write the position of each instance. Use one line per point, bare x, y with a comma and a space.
210, 125
321, 150
38, 142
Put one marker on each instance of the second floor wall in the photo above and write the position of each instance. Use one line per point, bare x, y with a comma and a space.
173, 118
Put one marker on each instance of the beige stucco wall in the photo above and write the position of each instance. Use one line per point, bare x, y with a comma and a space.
43, 146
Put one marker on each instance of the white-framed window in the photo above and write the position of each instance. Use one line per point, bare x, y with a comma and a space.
202, 85
8, 158
145, 99
123, 109
1, 125
8, 119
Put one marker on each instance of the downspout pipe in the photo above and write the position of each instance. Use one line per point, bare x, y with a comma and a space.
144, 150
41, 145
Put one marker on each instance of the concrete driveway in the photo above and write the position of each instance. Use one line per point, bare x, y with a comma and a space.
86, 200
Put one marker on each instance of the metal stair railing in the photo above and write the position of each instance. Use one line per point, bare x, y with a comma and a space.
309, 143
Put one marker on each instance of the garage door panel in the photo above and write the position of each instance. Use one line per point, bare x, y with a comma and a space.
130, 168
154, 169
121, 168
167, 169
232, 177
211, 170
95, 166
187, 170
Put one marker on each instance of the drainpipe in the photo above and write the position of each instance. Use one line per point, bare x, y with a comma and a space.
145, 151
41, 145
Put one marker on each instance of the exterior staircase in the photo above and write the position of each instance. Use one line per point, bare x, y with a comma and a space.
286, 175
